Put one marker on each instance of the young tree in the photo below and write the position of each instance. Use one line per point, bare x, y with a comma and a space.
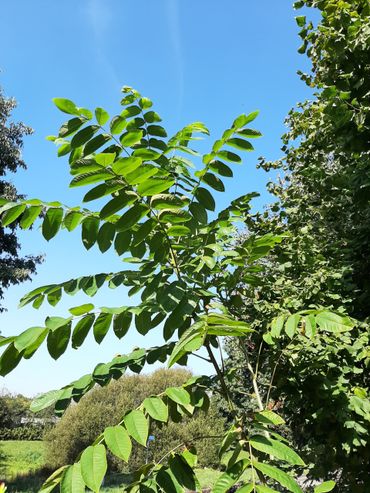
14, 268
188, 269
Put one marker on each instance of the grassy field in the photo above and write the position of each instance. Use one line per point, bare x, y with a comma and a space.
22, 462
20, 457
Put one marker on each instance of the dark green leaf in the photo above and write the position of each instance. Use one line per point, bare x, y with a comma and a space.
229, 156
81, 330
9, 360
71, 126
213, 181
101, 326
131, 217
106, 236
205, 198
121, 323
241, 144
90, 228
52, 222
84, 135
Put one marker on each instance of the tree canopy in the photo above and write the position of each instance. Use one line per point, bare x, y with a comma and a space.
14, 268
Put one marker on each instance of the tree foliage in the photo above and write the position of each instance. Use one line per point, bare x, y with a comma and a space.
158, 210
14, 268
323, 208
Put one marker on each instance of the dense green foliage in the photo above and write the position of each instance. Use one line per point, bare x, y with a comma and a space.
197, 282
323, 207
14, 268
103, 407
187, 268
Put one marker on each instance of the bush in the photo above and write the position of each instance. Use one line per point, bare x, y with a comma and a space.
103, 407
26, 432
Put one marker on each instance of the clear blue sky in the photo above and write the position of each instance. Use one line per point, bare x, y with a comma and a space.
197, 59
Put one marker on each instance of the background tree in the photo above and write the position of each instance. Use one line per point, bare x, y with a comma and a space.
104, 407
14, 268
323, 208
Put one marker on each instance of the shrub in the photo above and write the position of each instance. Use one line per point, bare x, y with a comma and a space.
103, 407
26, 432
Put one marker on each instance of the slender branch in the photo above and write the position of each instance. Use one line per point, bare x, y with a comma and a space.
201, 357
221, 356
221, 377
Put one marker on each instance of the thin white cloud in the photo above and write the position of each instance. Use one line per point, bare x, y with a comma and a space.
99, 16
173, 18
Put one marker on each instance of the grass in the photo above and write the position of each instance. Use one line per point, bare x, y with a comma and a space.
20, 457
22, 468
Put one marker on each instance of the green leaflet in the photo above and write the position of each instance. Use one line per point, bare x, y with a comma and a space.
178, 395
277, 449
53, 480
183, 473
121, 323
205, 198
58, 340
118, 124
72, 481
190, 341
230, 477
325, 487
291, 325
81, 309
66, 105
52, 222
29, 216
118, 442
101, 326
45, 400
124, 166
106, 236
12, 214
71, 126
280, 476
137, 426
129, 139
268, 417
154, 186
84, 135
90, 229
9, 359
101, 116
72, 220
131, 217
241, 144
332, 322
93, 466
156, 408
81, 330
213, 181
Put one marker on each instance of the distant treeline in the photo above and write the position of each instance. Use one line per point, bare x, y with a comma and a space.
17, 422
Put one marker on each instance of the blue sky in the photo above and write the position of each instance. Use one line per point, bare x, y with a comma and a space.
197, 59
